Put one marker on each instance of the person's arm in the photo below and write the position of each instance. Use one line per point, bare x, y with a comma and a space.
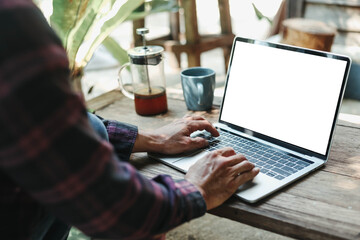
217, 175
175, 137
122, 137
170, 139
48, 148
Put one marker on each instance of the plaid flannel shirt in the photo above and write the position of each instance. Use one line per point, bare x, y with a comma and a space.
51, 159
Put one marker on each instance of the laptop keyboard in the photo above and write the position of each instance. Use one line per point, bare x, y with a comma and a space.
271, 162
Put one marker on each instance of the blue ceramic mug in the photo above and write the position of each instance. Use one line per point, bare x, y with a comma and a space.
198, 84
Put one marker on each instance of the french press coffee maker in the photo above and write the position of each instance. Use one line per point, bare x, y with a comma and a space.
148, 78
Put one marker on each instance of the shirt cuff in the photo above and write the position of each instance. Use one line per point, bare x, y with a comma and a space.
194, 201
122, 136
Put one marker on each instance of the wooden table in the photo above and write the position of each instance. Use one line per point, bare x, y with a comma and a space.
323, 205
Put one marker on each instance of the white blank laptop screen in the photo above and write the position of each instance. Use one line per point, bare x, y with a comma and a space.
283, 94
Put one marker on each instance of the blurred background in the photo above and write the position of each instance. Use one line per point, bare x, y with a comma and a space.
101, 72
244, 23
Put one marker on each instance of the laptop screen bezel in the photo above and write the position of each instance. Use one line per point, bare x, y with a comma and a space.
300, 50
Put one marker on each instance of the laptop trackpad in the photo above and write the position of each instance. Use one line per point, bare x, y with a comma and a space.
172, 158
185, 163
259, 187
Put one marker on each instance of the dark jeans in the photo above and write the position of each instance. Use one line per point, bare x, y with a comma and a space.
98, 126
50, 228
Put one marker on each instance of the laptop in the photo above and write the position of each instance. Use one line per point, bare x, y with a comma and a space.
279, 109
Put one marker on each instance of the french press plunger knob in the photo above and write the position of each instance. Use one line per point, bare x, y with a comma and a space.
142, 32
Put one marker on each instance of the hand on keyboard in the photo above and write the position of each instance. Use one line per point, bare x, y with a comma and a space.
219, 174
273, 163
175, 137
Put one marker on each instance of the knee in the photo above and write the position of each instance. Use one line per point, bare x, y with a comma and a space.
98, 126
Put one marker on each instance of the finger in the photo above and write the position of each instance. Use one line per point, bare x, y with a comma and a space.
246, 176
236, 159
226, 151
203, 125
193, 117
242, 167
197, 118
198, 142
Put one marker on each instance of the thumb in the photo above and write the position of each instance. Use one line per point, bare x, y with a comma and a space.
198, 142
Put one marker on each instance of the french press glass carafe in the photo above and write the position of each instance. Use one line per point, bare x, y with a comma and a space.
148, 78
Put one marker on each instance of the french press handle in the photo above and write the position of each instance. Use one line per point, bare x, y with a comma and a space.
121, 84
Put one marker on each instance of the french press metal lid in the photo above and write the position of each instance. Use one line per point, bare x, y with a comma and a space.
150, 55
145, 55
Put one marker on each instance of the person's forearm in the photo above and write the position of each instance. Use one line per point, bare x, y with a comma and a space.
174, 138
122, 136
147, 142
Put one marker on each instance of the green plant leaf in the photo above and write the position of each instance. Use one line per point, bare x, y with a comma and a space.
154, 6
83, 26
259, 14
65, 15
116, 50
109, 25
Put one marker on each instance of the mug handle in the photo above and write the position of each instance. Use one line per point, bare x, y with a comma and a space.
200, 88
121, 85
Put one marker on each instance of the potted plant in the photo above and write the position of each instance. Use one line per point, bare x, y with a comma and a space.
83, 25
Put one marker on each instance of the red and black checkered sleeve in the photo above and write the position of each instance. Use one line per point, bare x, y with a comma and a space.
48, 149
